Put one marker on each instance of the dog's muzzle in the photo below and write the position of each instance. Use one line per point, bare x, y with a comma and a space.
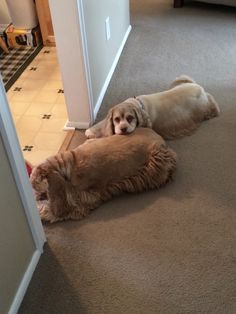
124, 130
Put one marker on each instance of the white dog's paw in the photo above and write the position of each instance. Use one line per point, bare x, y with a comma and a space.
89, 134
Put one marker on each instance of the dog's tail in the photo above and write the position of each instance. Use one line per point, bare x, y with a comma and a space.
182, 79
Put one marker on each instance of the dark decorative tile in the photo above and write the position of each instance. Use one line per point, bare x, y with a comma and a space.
46, 51
33, 68
60, 91
28, 148
46, 116
17, 89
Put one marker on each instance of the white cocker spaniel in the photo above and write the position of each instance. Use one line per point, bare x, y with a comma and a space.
173, 113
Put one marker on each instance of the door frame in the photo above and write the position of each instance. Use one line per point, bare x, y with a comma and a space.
16, 160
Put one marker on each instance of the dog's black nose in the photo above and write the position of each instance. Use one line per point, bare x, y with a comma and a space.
123, 130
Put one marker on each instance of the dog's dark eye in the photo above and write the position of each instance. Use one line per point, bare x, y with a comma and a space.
130, 119
117, 119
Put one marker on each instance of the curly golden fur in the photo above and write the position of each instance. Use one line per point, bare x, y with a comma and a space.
71, 184
173, 113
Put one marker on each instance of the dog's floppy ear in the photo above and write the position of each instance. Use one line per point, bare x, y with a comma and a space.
60, 193
39, 181
39, 171
108, 126
142, 117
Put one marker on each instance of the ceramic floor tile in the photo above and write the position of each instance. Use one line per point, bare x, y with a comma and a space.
18, 83
39, 96
53, 124
41, 58
59, 111
52, 85
60, 99
53, 49
16, 118
38, 109
33, 85
36, 157
51, 63
25, 96
10, 93
25, 138
25, 74
49, 58
46, 96
53, 142
56, 75
34, 63
28, 124
48, 65
41, 73
48, 52
18, 107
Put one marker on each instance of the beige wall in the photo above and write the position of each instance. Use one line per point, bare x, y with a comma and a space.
68, 26
16, 242
4, 14
101, 52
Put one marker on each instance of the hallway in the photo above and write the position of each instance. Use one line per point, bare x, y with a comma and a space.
38, 107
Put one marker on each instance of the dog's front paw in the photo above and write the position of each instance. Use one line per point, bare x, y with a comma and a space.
89, 134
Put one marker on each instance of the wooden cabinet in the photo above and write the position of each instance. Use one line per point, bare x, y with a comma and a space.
45, 22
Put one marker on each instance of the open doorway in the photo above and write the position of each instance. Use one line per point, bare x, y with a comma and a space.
36, 98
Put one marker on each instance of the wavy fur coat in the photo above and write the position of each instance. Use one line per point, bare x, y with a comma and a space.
71, 184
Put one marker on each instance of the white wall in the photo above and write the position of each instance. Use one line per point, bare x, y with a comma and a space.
87, 60
66, 25
4, 14
102, 53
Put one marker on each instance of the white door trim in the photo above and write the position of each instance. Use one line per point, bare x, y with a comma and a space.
10, 140
24, 283
84, 46
110, 73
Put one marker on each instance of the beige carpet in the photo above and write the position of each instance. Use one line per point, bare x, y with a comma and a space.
173, 250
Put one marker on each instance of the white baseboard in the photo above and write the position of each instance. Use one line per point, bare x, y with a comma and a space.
109, 76
24, 283
68, 127
71, 125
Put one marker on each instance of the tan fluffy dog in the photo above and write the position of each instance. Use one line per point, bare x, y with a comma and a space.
173, 113
70, 184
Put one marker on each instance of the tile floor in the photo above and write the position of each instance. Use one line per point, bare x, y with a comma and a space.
38, 107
